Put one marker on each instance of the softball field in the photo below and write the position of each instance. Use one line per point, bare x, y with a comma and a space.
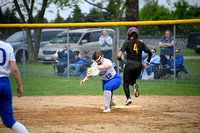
83, 114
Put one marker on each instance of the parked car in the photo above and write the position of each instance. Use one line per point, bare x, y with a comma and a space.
79, 40
16, 40
194, 41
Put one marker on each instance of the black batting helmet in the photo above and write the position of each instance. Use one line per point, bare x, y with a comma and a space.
130, 31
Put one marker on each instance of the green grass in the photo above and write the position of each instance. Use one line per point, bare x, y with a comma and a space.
188, 52
184, 51
41, 81
53, 87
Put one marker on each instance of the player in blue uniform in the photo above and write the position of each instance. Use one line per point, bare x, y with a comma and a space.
8, 64
110, 79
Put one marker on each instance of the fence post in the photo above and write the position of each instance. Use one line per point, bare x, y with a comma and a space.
174, 54
117, 47
68, 51
24, 56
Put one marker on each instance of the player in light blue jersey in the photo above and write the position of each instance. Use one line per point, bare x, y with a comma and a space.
8, 64
110, 79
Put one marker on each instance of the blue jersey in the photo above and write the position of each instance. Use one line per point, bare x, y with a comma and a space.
110, 79
108, 73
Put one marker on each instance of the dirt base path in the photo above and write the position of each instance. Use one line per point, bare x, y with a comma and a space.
83, 114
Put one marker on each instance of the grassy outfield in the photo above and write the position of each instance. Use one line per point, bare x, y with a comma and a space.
40, 81
53, 86
184, 51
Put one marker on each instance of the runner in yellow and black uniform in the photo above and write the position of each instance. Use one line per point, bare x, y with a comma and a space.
133, 47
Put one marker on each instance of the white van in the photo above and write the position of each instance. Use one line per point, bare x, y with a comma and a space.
79, 40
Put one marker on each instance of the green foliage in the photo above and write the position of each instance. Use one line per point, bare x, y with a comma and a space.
8, 16
58, 19
193, 11
122, 30
184, 29
153, 11
63, 3
77, 16
103, 11
95, 15
181, 9
107, 10
150, 30
184, 11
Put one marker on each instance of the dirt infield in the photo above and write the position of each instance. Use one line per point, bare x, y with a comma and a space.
83, 114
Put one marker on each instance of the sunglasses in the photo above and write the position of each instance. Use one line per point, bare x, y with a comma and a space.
176, 52
152, 52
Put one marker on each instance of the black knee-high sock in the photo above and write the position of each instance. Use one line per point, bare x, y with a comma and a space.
126, 90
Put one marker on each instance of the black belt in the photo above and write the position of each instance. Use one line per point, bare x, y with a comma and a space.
3, 77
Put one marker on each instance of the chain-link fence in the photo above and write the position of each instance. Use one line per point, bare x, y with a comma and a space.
80, 38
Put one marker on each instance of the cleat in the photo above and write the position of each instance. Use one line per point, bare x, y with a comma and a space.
136, 90
113, 103
128, 101
106, 110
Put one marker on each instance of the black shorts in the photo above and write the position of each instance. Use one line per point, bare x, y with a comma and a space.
132, 71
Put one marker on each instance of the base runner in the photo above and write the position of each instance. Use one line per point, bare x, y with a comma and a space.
110, 79
133, 47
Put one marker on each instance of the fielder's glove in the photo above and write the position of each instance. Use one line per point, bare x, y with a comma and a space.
92, 71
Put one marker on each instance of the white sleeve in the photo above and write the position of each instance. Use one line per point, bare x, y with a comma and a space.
109, 62
101, 41
11, 55
109, 41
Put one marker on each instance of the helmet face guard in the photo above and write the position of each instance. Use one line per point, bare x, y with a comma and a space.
130, 31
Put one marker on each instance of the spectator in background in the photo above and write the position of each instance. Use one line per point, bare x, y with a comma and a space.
62, 57
166, 45
144, 57
81, 62
106, 42
170, 62
154, 62
153, 66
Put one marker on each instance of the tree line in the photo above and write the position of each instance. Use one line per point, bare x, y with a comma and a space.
151, 11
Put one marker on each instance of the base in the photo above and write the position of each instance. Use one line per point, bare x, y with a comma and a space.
124, 107
127, 107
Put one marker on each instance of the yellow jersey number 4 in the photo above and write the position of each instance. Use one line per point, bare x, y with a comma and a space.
135, 48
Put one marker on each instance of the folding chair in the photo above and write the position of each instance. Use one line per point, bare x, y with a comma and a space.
180, 73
